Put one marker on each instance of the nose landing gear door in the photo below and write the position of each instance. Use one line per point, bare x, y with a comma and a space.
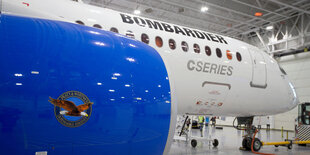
259, 73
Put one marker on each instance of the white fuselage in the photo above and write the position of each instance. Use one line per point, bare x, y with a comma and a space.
200, 84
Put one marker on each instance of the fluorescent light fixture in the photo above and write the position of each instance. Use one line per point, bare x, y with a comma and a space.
117, 74
35, 72
127, 85
19, 84
99, 43
18, 74
114, 78
111, 90
137, 12
132, 45
139, 98
131, 59
269, 27
94, 32
99, 84
204, 9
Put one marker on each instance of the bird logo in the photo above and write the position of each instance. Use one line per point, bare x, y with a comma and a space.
72, 108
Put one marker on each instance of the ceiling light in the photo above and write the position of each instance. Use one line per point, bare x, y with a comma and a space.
269, 27
117, 74
18, 74
204, 9
35, 72
258, 14
131, 59
137, 12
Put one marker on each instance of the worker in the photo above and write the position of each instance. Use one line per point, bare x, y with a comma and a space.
201, 120
207, 121
213, 119
188, 122
268, 124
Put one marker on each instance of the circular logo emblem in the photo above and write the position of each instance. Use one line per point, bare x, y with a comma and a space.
72, 108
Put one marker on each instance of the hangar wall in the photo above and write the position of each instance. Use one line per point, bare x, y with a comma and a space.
297, 68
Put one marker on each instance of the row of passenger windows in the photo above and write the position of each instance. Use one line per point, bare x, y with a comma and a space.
172, 43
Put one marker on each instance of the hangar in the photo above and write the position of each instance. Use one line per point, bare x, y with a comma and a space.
222, 65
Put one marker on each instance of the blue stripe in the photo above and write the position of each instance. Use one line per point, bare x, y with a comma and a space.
42, 58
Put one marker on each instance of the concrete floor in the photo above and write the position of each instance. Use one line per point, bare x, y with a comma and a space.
230, 141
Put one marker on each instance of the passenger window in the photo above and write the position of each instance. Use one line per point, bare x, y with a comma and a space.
184, 46
172, 44
130, 34
113, 29
159, 41
228, 54
145, 38
239, 58
79, 22
196, 48
208, 50
97, 26
218, 52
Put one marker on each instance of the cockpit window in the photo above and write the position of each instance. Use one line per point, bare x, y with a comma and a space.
282, 70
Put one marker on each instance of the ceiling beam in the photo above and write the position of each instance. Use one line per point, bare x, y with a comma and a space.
290, 6
201, 20
274, 22
235, 11
253, 6
208, 13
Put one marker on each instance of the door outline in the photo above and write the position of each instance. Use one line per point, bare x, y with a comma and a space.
255, 65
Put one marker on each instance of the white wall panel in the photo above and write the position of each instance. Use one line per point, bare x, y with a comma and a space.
298, 70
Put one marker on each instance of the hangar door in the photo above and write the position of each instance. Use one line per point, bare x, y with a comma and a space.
259, 74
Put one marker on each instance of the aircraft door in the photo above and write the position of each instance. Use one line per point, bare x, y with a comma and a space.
259, 74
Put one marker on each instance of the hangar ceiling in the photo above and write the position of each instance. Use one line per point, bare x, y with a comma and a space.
234, 18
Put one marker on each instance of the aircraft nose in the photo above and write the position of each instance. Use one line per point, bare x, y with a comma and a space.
292, 96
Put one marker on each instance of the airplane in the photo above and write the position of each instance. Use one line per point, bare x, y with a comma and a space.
136, 84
